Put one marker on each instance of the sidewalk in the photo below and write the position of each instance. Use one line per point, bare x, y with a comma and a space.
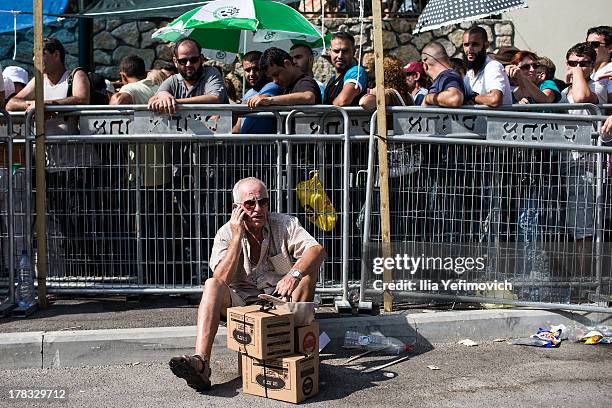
90, 332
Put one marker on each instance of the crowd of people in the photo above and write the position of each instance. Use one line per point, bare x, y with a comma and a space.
285, 78
278, 77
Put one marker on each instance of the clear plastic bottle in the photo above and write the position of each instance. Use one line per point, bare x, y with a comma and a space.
390, 345
26, 293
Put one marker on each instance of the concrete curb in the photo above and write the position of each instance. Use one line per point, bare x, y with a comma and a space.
119, 346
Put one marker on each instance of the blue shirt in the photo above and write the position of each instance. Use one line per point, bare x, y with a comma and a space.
447, 79
260, 125
356, 75
549, 84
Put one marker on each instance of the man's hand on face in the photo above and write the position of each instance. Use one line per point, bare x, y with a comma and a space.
237, 221
573, 72
259, 100
163, 103
286, 286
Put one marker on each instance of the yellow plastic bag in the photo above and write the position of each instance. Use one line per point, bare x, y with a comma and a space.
316, 203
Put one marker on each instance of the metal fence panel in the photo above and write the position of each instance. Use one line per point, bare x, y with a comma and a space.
536, 215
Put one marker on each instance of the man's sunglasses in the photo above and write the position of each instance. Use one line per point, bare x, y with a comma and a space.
582, 64
596, 44
184, 61
527, 67
250, 204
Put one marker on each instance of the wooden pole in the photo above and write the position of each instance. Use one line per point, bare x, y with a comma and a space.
381, 129
41, 227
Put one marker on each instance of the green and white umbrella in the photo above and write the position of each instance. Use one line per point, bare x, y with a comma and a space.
226, 27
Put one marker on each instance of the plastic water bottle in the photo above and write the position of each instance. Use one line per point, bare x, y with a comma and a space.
532, 264
390, 345
26, 293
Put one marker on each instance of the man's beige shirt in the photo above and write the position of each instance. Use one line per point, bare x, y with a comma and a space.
285, 241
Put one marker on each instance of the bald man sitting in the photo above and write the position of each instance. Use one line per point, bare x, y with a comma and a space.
255, 252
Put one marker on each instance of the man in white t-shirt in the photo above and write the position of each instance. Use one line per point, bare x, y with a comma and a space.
601, 40
486, 81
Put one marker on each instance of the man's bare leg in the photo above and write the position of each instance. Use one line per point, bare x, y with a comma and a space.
196, 369
215, 301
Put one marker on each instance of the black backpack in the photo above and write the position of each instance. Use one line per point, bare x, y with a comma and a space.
97, 87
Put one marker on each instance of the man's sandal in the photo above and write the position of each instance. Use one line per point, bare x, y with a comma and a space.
183, 367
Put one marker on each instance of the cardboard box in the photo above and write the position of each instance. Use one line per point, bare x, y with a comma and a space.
307, 339
292, 378
260, 334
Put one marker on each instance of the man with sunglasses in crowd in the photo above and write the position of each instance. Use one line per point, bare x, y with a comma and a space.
580, 60
256, 252
195, 83
601, 40
578, 168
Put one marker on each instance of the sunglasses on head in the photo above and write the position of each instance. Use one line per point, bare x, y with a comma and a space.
184, 61
250, 204
582, 64
596, 44
526, 67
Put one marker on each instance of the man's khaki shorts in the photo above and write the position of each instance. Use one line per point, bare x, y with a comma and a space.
244, 296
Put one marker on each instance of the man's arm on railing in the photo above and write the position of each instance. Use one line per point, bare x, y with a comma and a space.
449, 98
203, 99
297, 98
346, 96
23, 99
492, 99
121, 98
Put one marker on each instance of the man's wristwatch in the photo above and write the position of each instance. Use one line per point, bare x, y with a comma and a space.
296, 274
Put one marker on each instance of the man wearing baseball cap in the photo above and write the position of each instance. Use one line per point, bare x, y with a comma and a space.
15, 79
416, 80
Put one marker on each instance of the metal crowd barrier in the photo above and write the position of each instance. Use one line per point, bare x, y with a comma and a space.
526, 190
139, 210
98, 240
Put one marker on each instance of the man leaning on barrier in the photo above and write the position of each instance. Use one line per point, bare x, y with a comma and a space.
447, 89
577, 168
70, 169
194, 83
300, 89
486, 82
350, 81
255, 252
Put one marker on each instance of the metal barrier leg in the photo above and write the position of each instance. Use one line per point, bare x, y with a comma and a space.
343, 304
363, 305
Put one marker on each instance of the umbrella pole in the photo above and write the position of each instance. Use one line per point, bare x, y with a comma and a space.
381, 129
39, 100
243, 33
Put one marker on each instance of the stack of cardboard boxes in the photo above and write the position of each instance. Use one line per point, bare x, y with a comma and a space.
277, 360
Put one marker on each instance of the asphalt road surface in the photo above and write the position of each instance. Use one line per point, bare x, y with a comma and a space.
489, 375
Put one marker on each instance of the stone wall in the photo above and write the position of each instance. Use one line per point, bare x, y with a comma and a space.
114, 39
